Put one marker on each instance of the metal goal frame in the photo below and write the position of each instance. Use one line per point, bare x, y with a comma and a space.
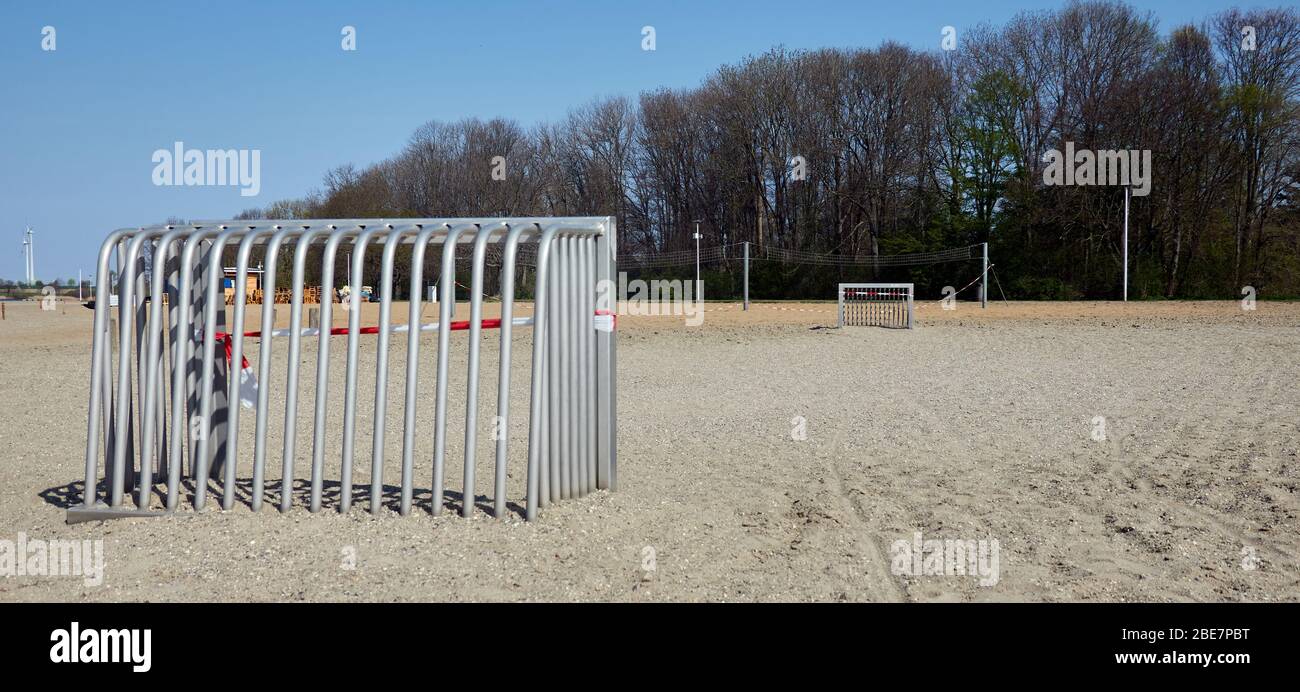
172, 395
876, 305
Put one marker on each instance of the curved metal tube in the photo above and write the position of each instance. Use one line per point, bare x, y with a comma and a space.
446, 308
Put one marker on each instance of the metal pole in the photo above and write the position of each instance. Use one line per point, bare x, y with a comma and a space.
29, 244
746, 275
911, 293
984, 282
79, 286
537, 391
1126, 193
503, 382
475, 336
413, 361
446, 309
391, 241
697, 256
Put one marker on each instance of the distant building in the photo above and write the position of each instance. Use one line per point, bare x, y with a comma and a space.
252, 283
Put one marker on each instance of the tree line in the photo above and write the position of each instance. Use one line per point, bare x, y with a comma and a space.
889, 150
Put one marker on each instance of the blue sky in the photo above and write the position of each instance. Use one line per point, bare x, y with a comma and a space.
79, 125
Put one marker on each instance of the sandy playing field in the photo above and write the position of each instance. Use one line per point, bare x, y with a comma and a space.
1140, 451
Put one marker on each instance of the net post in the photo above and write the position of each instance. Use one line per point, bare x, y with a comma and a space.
1126, 197
746, 275
984, 281
911, 295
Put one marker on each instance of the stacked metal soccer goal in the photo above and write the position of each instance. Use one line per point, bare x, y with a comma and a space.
876, 305
162, 397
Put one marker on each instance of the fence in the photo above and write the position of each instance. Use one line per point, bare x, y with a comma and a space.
876, 305
144, 435
743, 253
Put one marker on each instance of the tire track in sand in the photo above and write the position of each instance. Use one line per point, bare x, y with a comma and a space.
877, 570
1129, 456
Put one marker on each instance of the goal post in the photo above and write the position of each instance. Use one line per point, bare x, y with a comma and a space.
172, 338
876, 305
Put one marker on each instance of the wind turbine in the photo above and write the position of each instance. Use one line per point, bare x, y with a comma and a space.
27, 263
29, 253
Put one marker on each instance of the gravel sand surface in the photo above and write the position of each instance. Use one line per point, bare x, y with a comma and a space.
977, 425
